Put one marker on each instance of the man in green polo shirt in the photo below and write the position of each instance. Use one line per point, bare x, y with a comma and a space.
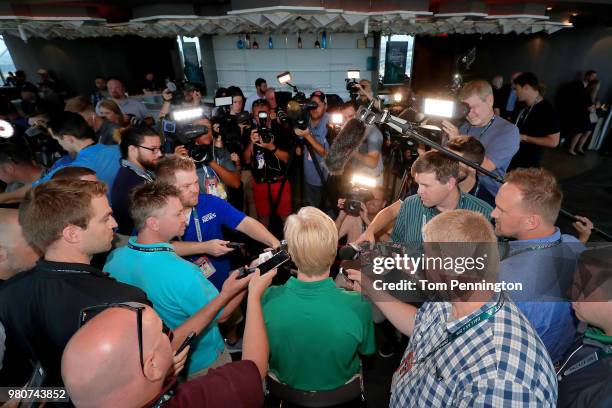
316, 330
437, 176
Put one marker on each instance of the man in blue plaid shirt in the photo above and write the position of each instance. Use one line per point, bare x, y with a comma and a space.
476, 353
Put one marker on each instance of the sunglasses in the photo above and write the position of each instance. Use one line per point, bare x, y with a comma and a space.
90, 312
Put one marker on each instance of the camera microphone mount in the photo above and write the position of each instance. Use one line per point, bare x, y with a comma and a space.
370, 116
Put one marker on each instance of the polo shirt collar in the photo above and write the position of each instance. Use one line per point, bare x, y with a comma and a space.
555, 236
132, 242
598, 335
454, 325
68, 267
460, 203
311, 287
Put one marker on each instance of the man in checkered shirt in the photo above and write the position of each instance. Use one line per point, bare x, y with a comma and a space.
497, 360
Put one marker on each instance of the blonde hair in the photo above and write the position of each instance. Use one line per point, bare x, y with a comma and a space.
312, 240
478, 87
78, 104
464, 234
168, 166
459, 226
541, 193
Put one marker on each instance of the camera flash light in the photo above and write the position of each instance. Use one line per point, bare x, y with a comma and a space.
363, 181
284, 78
397, 97
353, 74
337, 118
439, 107
6, 129
187, 114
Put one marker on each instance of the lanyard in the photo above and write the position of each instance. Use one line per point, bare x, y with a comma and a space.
484, 130
196, 219
152, 249
535, 247
520, 117
487, 314
591, 359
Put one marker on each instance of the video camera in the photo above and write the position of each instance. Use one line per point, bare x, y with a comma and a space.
298, 108
182, 131
229, 128
359, 193
352, 75
262, 127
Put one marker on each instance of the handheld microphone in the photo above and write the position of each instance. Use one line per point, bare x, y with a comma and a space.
352, 252
344, 145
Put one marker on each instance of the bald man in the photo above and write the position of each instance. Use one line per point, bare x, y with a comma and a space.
16, 255
101, 365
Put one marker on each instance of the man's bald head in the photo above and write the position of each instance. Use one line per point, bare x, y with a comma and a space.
101, 363
16, 255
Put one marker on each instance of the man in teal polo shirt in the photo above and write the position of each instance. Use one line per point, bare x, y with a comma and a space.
316, 330
436, 175
181, 294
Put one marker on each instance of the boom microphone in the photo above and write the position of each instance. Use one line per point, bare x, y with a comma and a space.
344, 145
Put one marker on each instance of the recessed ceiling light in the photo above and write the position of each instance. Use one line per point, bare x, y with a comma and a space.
548, 8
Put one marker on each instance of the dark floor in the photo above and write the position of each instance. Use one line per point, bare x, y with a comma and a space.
586, 182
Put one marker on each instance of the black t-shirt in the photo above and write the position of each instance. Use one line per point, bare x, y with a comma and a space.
265, 166
538, 120
125, 181
40, 311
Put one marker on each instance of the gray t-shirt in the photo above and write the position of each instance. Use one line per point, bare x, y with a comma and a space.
501, 142
372, 143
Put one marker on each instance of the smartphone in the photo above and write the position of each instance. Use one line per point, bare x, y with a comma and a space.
185, 343
277, 260
234, 245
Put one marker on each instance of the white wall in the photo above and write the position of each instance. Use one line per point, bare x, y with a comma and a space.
310, 68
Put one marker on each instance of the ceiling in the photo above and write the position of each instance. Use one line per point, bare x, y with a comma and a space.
80, 19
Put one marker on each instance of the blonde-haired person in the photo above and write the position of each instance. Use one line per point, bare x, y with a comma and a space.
316, 330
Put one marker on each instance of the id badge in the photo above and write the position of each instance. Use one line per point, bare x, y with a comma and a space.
205, 266
260, 160
404, 367
213, 187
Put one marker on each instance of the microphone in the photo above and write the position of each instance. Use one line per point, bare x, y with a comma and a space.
344, 145
351, 252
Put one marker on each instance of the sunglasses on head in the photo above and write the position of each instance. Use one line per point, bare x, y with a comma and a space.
90, 312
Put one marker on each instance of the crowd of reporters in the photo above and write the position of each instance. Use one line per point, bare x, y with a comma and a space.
125, 245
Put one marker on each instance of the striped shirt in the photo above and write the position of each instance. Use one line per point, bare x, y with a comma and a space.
500, 362
413, 215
